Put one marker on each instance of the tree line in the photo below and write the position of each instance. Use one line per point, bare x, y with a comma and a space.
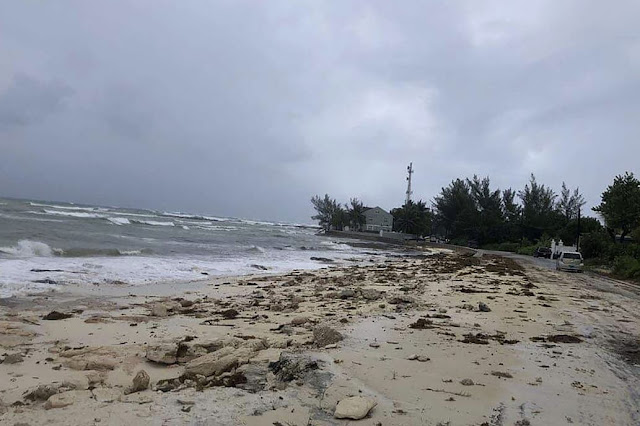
470, 211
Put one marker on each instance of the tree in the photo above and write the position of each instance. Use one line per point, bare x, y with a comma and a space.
356, 214
412, 218
456, 210
620, 206
570, 203
538, 208
329, 212
488, 204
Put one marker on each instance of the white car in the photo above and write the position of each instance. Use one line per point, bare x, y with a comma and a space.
569, 261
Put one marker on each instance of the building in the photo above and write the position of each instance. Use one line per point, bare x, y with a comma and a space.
376, 219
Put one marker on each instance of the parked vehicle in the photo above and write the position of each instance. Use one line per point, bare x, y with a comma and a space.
542, 252
569, 261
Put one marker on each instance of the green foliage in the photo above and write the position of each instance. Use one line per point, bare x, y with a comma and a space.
528, 250
506, 246
355, 212
456, 210
329, 212
626, 267
620, 206
412, 218
594, 244
539, 212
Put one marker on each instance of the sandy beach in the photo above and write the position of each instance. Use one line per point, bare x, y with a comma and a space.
443, 339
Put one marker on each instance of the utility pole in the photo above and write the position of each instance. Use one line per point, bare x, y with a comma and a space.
578, 239
409, 192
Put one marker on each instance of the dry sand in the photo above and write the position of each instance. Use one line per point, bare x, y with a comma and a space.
445, 340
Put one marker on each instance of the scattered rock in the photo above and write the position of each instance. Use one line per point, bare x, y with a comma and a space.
140, 382
355, 407
55, 315
422, 324
483, 307
291, 366
401, 300
13, 359
186, 303
229, 313
211, 364
159, 310
63, 399
163, 354
106, 394
324, 335
502, 374
41, 393
374, 344
299, 321
347, 294
467, 382
370, 294
563, 338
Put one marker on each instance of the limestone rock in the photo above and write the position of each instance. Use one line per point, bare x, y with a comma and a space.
13, 359
106, 394
159, 310
324, 335
163, 354
483, 307
55, 315
64, 399
140, 382
355, 407
370, 293
211, 364
466, 382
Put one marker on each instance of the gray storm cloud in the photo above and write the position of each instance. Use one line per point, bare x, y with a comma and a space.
249, 108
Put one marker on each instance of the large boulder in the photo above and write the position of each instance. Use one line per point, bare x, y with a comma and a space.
140, 382
64, 399
355, 407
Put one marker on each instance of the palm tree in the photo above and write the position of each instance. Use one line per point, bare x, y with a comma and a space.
356, 214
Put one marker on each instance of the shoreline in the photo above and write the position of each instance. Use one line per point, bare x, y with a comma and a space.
402, 327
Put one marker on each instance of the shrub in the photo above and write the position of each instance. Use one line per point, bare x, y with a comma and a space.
626, 267
527, 250
594, 244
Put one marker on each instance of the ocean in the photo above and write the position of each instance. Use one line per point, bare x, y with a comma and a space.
47, 245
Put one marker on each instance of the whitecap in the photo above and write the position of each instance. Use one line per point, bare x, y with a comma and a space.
119, 220
153, 222
75, 214
28, 248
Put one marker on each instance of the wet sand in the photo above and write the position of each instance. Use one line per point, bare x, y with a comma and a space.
446, 339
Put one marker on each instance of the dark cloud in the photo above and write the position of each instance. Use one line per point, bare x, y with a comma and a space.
27, 101
248, 109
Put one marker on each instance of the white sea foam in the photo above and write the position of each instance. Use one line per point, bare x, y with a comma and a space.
55, 206
75, 214
185, 227
195, 216
153, 222
255, 249
119, 220
28, 248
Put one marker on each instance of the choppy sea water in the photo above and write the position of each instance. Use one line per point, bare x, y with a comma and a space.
47, 245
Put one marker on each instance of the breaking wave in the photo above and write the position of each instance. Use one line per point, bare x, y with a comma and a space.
75, 214
28, 248
119, 220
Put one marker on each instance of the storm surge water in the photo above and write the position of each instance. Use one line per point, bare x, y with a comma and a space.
45, 245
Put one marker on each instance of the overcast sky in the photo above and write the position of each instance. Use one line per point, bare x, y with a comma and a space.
249, 108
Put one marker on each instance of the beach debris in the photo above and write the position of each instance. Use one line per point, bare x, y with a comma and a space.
502, 374
563, 338
163, 354
483, 307
401, 299
292, 366
422, 324
374, 345
354, 407
55, 315
230, 313
140, 382
259, 267
15, 358
324, 335
186, 303
467, 382
322, 259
